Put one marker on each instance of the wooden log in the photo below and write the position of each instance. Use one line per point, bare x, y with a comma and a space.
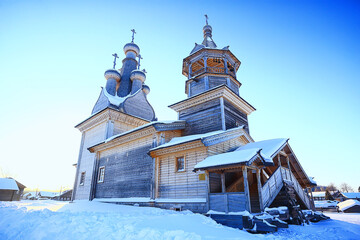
247, 192
259, 189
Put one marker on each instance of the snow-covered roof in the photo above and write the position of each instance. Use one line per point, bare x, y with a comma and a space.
352, 194
228, 158
116, 100
180, 124
48, 194
190, 138
318, 194
269, 148
312, 180
245, 154
348, 204
143, 126
8, 184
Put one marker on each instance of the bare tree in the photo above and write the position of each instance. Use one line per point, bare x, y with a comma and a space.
344, 187
331, 187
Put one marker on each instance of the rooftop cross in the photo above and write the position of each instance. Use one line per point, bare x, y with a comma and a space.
115, 57
133, 31
206, 19
140, 57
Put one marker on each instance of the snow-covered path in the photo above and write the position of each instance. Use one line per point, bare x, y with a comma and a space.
93, 220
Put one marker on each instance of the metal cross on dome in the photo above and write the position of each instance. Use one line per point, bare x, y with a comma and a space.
206, 17
133, 31
115, 57
140, 57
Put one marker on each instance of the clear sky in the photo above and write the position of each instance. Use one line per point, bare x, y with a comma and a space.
300, 69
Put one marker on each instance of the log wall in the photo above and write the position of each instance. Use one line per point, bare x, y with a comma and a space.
92, 136
184, 184
202, 118
128, 170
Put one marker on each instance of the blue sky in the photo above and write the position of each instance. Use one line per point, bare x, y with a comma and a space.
300, 70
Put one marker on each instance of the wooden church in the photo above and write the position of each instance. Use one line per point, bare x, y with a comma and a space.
205, 160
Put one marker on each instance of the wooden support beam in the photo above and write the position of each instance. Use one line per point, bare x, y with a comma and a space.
287, 159
247, 192
222, 109
279, 162
223, 190
157, 170
207, 178
259, 190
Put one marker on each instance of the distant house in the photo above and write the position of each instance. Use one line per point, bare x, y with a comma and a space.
349, 206
65, 196
10, 189
319, 196
351, 195
318, 189
30, 196
43, 195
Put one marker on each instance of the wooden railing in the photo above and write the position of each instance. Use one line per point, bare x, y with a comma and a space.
227, 202
289, 176
271, 188
274, 184
218, 70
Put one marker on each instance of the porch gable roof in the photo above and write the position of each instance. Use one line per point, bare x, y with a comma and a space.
246, 154
229, 158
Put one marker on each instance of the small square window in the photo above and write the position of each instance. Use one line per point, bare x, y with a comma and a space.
180, 164
101, 174
82, 178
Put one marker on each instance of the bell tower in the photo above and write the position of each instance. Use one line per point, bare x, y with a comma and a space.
213, 101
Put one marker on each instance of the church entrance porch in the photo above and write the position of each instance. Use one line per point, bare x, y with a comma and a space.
234, 190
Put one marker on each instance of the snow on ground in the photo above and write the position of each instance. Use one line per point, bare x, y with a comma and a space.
94, 220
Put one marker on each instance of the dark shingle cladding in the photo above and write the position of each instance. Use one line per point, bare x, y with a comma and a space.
125, 90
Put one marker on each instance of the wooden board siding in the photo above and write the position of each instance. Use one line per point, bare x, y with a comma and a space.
184, 184
216, 81
197, 87
128, 170
202, 118
226, 146
7, 195
234, 117
233, 86
120, 127
227, 202
92, 136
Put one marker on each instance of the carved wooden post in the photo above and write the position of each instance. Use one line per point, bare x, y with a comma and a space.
259, 189
287, 159
247, 192
225, 65
279, 161
207, 176
157, 168
205, 63
189, 76
223, 190
222, 109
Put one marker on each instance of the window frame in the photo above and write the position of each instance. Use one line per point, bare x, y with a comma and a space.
177, 164
81, 183
99, 180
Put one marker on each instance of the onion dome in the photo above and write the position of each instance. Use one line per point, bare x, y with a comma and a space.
146, 89
113, 74
138, 75
131, 50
